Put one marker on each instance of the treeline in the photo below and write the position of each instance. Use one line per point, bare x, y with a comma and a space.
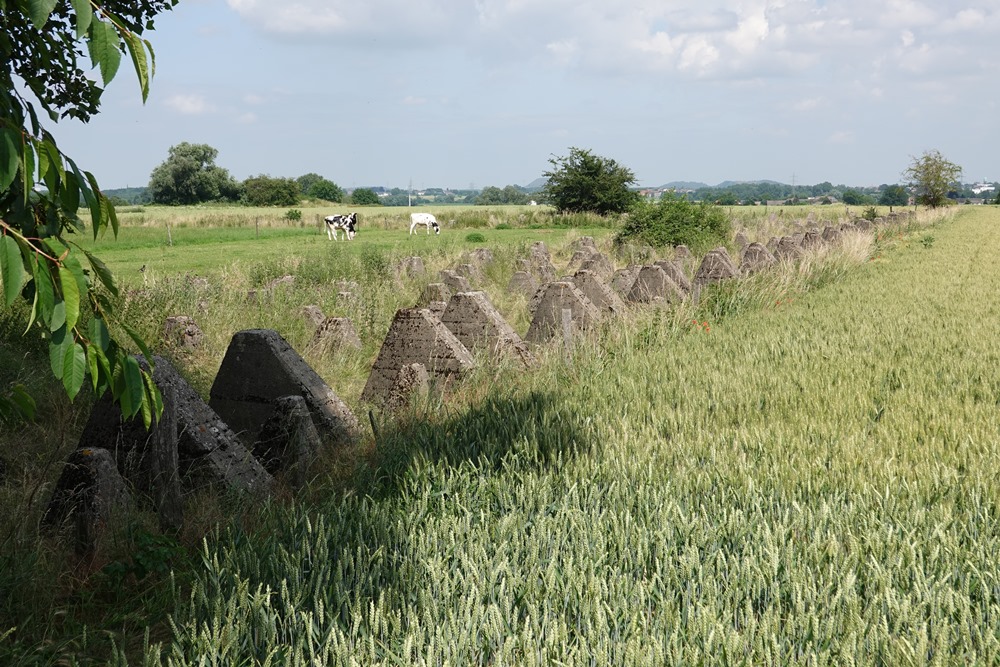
736, 194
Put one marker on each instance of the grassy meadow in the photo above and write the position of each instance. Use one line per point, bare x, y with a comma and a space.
801, 469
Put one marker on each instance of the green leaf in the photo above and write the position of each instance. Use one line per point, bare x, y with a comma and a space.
74, 369
136, 48
10, 149
71, 296
41, 300
44, 291
139, 342
57, 350
28, 171
58, 315
99, 334
69, 198
73, 264
84, 15
39, 11
98, 202
50, 164
153, 395
103, 273
24, 402
133, 391
103, 49
11, 268
92, 366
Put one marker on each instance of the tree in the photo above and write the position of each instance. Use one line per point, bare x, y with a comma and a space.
582, 181
492, 195
42, 188
894, 195
852, 197
266, 191
189, 176
675, 220
317, 187
365, 197
306, 181
932, 177
327, 190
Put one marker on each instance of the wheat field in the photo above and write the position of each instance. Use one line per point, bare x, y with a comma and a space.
812, 480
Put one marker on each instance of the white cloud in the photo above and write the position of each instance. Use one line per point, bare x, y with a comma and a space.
701, 39
806, 104
841, 137
412, 101
247, 118
189, 105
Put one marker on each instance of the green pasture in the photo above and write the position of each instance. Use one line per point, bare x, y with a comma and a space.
803, 469
204, 240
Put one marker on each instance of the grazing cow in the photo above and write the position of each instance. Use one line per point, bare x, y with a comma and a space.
341, 223
425, 219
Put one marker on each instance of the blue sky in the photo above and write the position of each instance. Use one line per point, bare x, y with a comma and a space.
460, 93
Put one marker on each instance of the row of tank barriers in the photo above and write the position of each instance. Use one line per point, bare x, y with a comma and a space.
269, 413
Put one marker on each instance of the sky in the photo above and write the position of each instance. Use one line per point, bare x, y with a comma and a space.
472, 93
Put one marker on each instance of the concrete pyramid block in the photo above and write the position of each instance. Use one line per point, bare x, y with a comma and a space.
715, 266
455, 281
555, 297
335, 333
411, 382
208, 451
755, 258
434, 292
831, 234
416, 336
788, 249
260, 367
623, 279
595, 289
478, 324
523, 282
675, 272
600, 264
653, 285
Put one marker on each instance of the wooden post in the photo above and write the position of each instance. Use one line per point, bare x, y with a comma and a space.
164, 477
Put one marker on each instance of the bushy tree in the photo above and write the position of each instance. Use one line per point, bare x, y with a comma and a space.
365, 197
493, 196
189, 176
675, 220
584, 182
41, 191
327, 190
894, 195
932, 177
266, 191
317, 187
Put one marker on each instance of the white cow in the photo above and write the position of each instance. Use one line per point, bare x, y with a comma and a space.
337, 223
425, 219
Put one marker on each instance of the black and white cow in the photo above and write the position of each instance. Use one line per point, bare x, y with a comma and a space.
425, 219
341, 223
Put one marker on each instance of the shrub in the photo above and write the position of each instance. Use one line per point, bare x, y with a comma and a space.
475, 237
675, 220
293, 215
